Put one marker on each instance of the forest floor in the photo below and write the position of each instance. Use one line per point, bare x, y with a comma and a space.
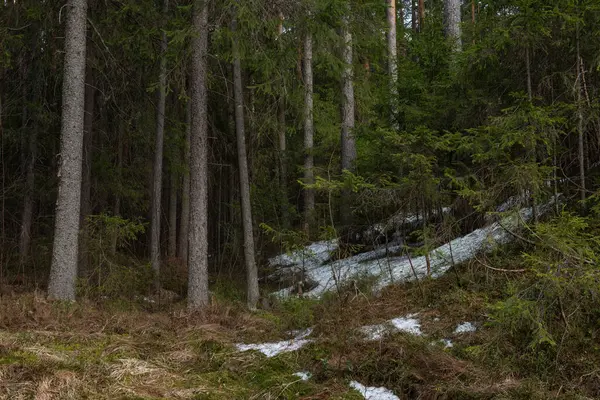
128, 350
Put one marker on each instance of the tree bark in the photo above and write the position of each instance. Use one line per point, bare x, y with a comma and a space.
198, 233
283, 176
421, 15
452, 16
63, 270
29, 154
158, 158
309, 194
392, 59
184, 223
173, 213
251, 270
117, 204
347, 134
86, 179
581, 138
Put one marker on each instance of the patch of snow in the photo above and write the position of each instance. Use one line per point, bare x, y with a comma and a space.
407, 324
303, 375
447, 343
315, 254
465, 327
275, 348
373, 393
398, 269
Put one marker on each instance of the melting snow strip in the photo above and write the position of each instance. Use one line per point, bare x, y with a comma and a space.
407, 324
373, 393
275, 348
465, 327
401, 269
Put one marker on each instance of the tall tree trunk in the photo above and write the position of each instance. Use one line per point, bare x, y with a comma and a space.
251, 270
29, 154
392, 59
309, 194
347, 134
117, 200
198, 233
283, 176
528, 68
173, 213
452, 16
184, 223
421, 15
158, 157
86, 179
414, 16
63, 270
580, 132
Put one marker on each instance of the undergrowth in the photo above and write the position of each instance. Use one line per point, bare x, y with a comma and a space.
536, 339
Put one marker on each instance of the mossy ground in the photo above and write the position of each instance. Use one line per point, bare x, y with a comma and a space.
116, 350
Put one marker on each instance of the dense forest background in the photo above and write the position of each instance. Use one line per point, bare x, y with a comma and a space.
322, 118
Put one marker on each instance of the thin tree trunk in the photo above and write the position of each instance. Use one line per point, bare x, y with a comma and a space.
283, 176
309, 194
198, 233
173, 213
29, 154
528, 67
473, 12
347, 134
184, 223
63, 270
251, 270
452, 16
414, 16
392, 59
580, 132
86, 179
421, 15
117, 204
158, 158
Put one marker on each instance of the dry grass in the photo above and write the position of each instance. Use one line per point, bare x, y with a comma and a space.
100, 351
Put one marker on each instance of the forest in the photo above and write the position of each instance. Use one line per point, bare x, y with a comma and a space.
310, 199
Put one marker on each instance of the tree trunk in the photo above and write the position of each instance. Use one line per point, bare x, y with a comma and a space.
117, 204
347, 135
528, 68
86, 179
63, 270
198, 232
392, 59
173, 213
184, 223
29, 154
581, 139
421, 15
414, 16
251, 270
158, 158
285, 215
309, 194
452, 16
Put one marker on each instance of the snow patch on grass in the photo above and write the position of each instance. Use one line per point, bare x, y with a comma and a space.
465, 327
407, 324
373, 393
274, 348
